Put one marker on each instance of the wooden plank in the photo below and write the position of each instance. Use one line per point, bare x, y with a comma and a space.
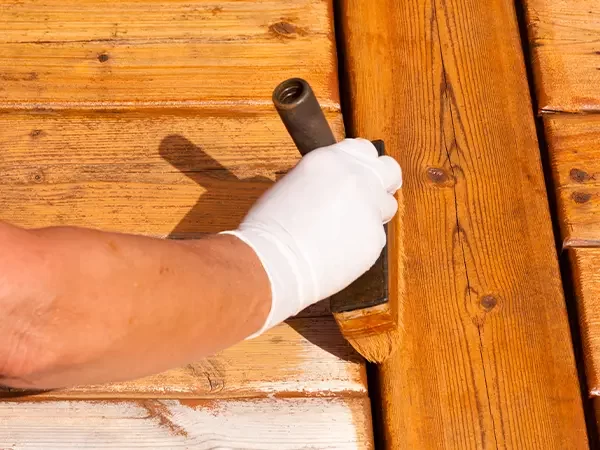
575, 160
301, 423
486, 358
565, 55
224, 53
585, 263
128, 20
305, 357
164, 174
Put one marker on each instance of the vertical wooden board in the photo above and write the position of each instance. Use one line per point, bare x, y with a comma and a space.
278, 424
585, 263
304, 357
163, 174
190, 62
575, 160
565, 55
485, 360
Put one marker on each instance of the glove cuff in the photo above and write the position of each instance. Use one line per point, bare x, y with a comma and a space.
285, 272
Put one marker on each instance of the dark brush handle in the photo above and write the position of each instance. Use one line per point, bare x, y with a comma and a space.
301, 114
303, 117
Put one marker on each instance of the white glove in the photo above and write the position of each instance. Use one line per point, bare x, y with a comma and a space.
321, 226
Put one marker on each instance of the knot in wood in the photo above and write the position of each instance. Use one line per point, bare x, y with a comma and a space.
438, 175
581, 197
578, 175
488, 302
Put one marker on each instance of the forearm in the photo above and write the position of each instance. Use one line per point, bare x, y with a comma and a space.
111, 306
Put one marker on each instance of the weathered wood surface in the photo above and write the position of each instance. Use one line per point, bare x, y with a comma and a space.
278, 424
59, 54
305, 357
573, 144
158, 174
585, 263
46, 21
486, 358
565, 54
155, 118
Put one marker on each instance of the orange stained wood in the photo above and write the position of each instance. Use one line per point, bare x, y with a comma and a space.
575, 160
155, 118
485, 360
585, 263
565, 55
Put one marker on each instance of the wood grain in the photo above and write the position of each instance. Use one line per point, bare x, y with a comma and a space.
575, 161
485, 360
165, 174
585, 263
305, 357
45, 21
565, 54
301, 423
236, 56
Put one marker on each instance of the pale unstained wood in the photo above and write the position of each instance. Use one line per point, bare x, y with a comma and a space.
236, 56
565, 54
278, 424
305, 357
573, 145
158, 174
485, 360
585, 263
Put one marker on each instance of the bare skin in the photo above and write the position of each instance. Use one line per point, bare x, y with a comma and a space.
82, 306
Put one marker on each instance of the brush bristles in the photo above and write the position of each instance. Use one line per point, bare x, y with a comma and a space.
378, 347
375, 332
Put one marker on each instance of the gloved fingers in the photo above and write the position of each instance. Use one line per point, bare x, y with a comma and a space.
390, 173
361, 148
389, 207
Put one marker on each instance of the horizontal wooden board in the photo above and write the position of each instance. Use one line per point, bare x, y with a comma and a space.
226, 58
575, 160
565, 53
165, 174
43, 21
585, 263
305, 357
323, 423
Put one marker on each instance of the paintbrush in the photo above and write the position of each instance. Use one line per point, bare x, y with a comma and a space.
367, 315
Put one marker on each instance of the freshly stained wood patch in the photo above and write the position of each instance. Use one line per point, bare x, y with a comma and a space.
307, 357
58, 55
574, 147
278, 424
486, 358
565, 53
163, 174
586, 278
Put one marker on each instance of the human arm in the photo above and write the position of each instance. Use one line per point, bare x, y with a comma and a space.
85, 306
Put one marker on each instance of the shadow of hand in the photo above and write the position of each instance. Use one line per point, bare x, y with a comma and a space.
227, 198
